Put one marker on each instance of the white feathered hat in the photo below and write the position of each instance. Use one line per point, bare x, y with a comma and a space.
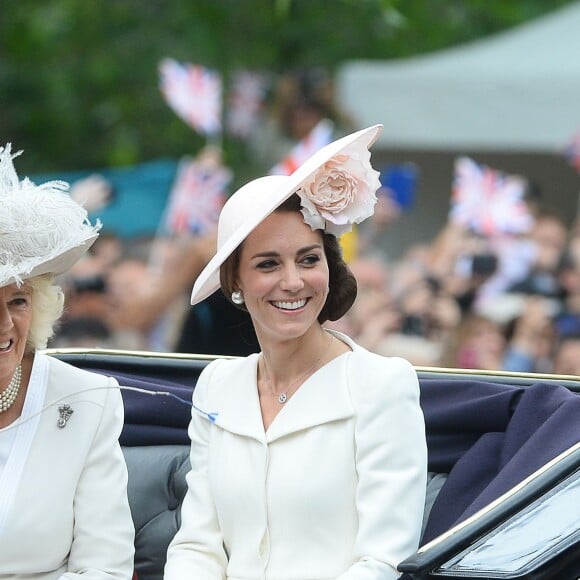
42, 229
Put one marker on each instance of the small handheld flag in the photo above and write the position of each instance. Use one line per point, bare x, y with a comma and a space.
198, 194
194, 93
487, 201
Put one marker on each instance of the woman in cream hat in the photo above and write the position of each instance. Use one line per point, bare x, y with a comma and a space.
308, 459
63, 500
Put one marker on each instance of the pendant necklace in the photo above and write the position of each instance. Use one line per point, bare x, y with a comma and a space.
9, 394
285, 395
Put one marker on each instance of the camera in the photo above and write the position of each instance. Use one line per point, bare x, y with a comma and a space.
482, 265
90, 284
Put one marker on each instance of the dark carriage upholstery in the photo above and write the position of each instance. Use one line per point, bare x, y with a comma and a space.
156, 488
466, 416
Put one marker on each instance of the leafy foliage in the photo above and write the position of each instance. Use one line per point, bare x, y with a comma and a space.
79, 78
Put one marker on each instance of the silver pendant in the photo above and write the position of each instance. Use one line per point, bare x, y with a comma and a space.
282, 398
64, 413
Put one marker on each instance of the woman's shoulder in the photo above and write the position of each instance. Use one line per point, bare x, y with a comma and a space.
223, 374
371, 363
65, 379
220, 368
375, 377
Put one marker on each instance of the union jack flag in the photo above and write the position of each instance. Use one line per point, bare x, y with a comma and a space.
245, 102
487, 201
197, 196
572, 151
320, 136
194, 93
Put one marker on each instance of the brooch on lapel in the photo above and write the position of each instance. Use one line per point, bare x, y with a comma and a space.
64, 413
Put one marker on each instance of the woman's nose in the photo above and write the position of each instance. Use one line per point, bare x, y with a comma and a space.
6, 322
291, 279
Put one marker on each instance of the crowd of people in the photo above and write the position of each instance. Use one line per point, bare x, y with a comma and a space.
460, 300
465, 302
457, 301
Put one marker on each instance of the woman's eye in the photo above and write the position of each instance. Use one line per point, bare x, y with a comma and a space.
266, 265
20, 302
311, 259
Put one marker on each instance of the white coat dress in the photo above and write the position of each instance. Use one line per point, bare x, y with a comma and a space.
334, 489
64, 512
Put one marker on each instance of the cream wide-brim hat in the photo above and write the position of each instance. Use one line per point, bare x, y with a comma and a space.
42, 229
255, 201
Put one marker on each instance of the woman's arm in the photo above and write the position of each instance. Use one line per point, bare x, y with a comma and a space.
141, 308
197, 549
391, 462
103, 534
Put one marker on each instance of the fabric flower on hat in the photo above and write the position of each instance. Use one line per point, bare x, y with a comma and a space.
341, 193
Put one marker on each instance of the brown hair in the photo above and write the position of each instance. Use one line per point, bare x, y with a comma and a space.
342, 287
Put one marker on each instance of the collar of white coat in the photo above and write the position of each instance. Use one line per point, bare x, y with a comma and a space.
324, 397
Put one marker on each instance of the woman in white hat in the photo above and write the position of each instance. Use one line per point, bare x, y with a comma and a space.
63, 481
308, 460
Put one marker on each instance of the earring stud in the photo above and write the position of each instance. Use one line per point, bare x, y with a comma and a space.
237, 297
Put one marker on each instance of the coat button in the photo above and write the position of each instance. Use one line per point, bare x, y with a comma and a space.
263, 545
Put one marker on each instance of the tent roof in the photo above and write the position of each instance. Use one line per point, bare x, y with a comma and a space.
518, 90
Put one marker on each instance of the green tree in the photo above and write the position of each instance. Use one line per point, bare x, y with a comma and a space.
79, 78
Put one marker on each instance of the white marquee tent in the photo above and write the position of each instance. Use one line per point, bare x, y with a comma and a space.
515, 91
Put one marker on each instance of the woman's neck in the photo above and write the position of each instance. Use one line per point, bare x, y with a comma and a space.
9, 416
285, 359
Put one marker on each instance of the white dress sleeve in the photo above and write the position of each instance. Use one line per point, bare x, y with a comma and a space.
391, 463
197, 549
103, 534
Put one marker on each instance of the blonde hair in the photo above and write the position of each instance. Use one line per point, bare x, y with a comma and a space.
47, 308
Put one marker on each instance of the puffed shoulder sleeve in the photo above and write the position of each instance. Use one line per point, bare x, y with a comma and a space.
391, 463
103, 534
197, 549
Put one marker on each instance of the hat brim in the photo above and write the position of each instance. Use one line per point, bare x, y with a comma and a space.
57, 265
280, 189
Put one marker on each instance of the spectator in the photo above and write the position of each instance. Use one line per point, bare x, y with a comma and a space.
567, 356
548, 238
301, 99
479, 344
531, 337
568, 319
83, 332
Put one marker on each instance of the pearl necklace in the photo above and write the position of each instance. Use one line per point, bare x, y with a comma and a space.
9, 394
287, 393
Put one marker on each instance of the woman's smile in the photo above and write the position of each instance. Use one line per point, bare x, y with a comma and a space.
5, 345
290, 305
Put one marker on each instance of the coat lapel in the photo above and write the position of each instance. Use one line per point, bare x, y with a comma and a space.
234, 399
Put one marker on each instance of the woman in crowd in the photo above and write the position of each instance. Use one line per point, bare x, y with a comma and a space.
63, 482
308, 459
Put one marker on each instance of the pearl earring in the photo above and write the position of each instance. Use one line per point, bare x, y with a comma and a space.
237, 297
